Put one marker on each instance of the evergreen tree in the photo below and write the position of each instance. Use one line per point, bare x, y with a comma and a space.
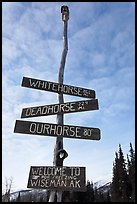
100, 196
96, 194
115, 181
108, 198
120, 182
89, 194
129, 180
131, 173
123, 177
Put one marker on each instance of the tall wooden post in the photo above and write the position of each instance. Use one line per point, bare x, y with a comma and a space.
59, 153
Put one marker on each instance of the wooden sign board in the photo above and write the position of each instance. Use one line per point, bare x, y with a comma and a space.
56, 177
69, 107
57, 88
48, 129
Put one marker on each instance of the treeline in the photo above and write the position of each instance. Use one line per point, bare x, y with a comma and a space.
123, 181
120, 189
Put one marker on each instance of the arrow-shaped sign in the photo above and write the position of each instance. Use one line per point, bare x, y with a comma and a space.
69, 107
48, 129
58, 88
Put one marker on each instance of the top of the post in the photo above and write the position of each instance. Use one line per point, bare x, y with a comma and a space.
65, 13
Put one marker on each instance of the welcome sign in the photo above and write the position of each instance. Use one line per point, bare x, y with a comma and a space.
56, 177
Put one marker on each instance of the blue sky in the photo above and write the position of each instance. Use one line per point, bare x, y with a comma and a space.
101, 56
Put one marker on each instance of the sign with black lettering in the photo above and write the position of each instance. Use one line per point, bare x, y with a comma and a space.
56, 177
69, 107
58, 88
48, 129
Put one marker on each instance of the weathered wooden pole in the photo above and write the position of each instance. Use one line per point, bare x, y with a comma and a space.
59, 153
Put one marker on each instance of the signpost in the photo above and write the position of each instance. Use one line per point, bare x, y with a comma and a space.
57, 87
56, 130
57, 177
61, 108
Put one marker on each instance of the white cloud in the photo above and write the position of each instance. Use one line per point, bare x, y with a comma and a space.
98, 60
10, 51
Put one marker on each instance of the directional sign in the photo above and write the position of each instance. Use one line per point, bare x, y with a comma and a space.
48, 129
56, 177
58, 88
70, 107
